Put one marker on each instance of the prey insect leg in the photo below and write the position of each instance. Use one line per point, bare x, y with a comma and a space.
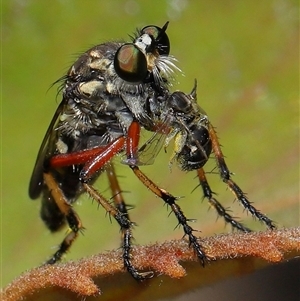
71, 217
226, 177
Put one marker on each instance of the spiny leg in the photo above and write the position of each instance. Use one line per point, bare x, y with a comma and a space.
71, 217
126, 226
51, 215
94, 160
219, 208
170, 200
121, 207
116, 189
236, 190
131, 152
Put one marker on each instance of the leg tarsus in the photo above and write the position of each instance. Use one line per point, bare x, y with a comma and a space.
240, 195
139, 276
63, 248
208, 194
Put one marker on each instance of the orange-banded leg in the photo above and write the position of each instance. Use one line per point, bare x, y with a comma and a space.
164, 195
62, 203
116, 189
120, 214
93, 160
125, 224
70, 215
236, 190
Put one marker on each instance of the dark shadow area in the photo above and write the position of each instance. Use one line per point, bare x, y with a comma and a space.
277, 283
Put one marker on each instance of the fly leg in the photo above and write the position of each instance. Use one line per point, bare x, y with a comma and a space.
93, 160
226, 177
119, 211
133, 137
58, 202
116, 190
126, 226
70, 215
171, 201
217, 205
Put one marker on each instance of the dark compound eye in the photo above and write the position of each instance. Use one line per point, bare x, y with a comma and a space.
161, 40
130, 63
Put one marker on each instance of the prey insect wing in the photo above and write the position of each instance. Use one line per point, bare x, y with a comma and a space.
149, 150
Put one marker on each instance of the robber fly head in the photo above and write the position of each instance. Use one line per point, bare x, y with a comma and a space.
147, 57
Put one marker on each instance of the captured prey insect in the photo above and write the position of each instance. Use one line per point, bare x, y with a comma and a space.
111, 93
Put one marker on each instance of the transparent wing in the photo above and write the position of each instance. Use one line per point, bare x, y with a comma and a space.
149, 150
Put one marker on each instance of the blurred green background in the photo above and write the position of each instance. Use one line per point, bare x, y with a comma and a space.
245, 56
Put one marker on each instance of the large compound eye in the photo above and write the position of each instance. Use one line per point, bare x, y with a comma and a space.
161, 40
130, 63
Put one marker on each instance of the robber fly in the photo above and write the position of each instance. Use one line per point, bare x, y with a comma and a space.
111, 93
104, 98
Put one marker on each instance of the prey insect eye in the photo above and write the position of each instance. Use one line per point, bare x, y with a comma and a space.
161, 41
130, 63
